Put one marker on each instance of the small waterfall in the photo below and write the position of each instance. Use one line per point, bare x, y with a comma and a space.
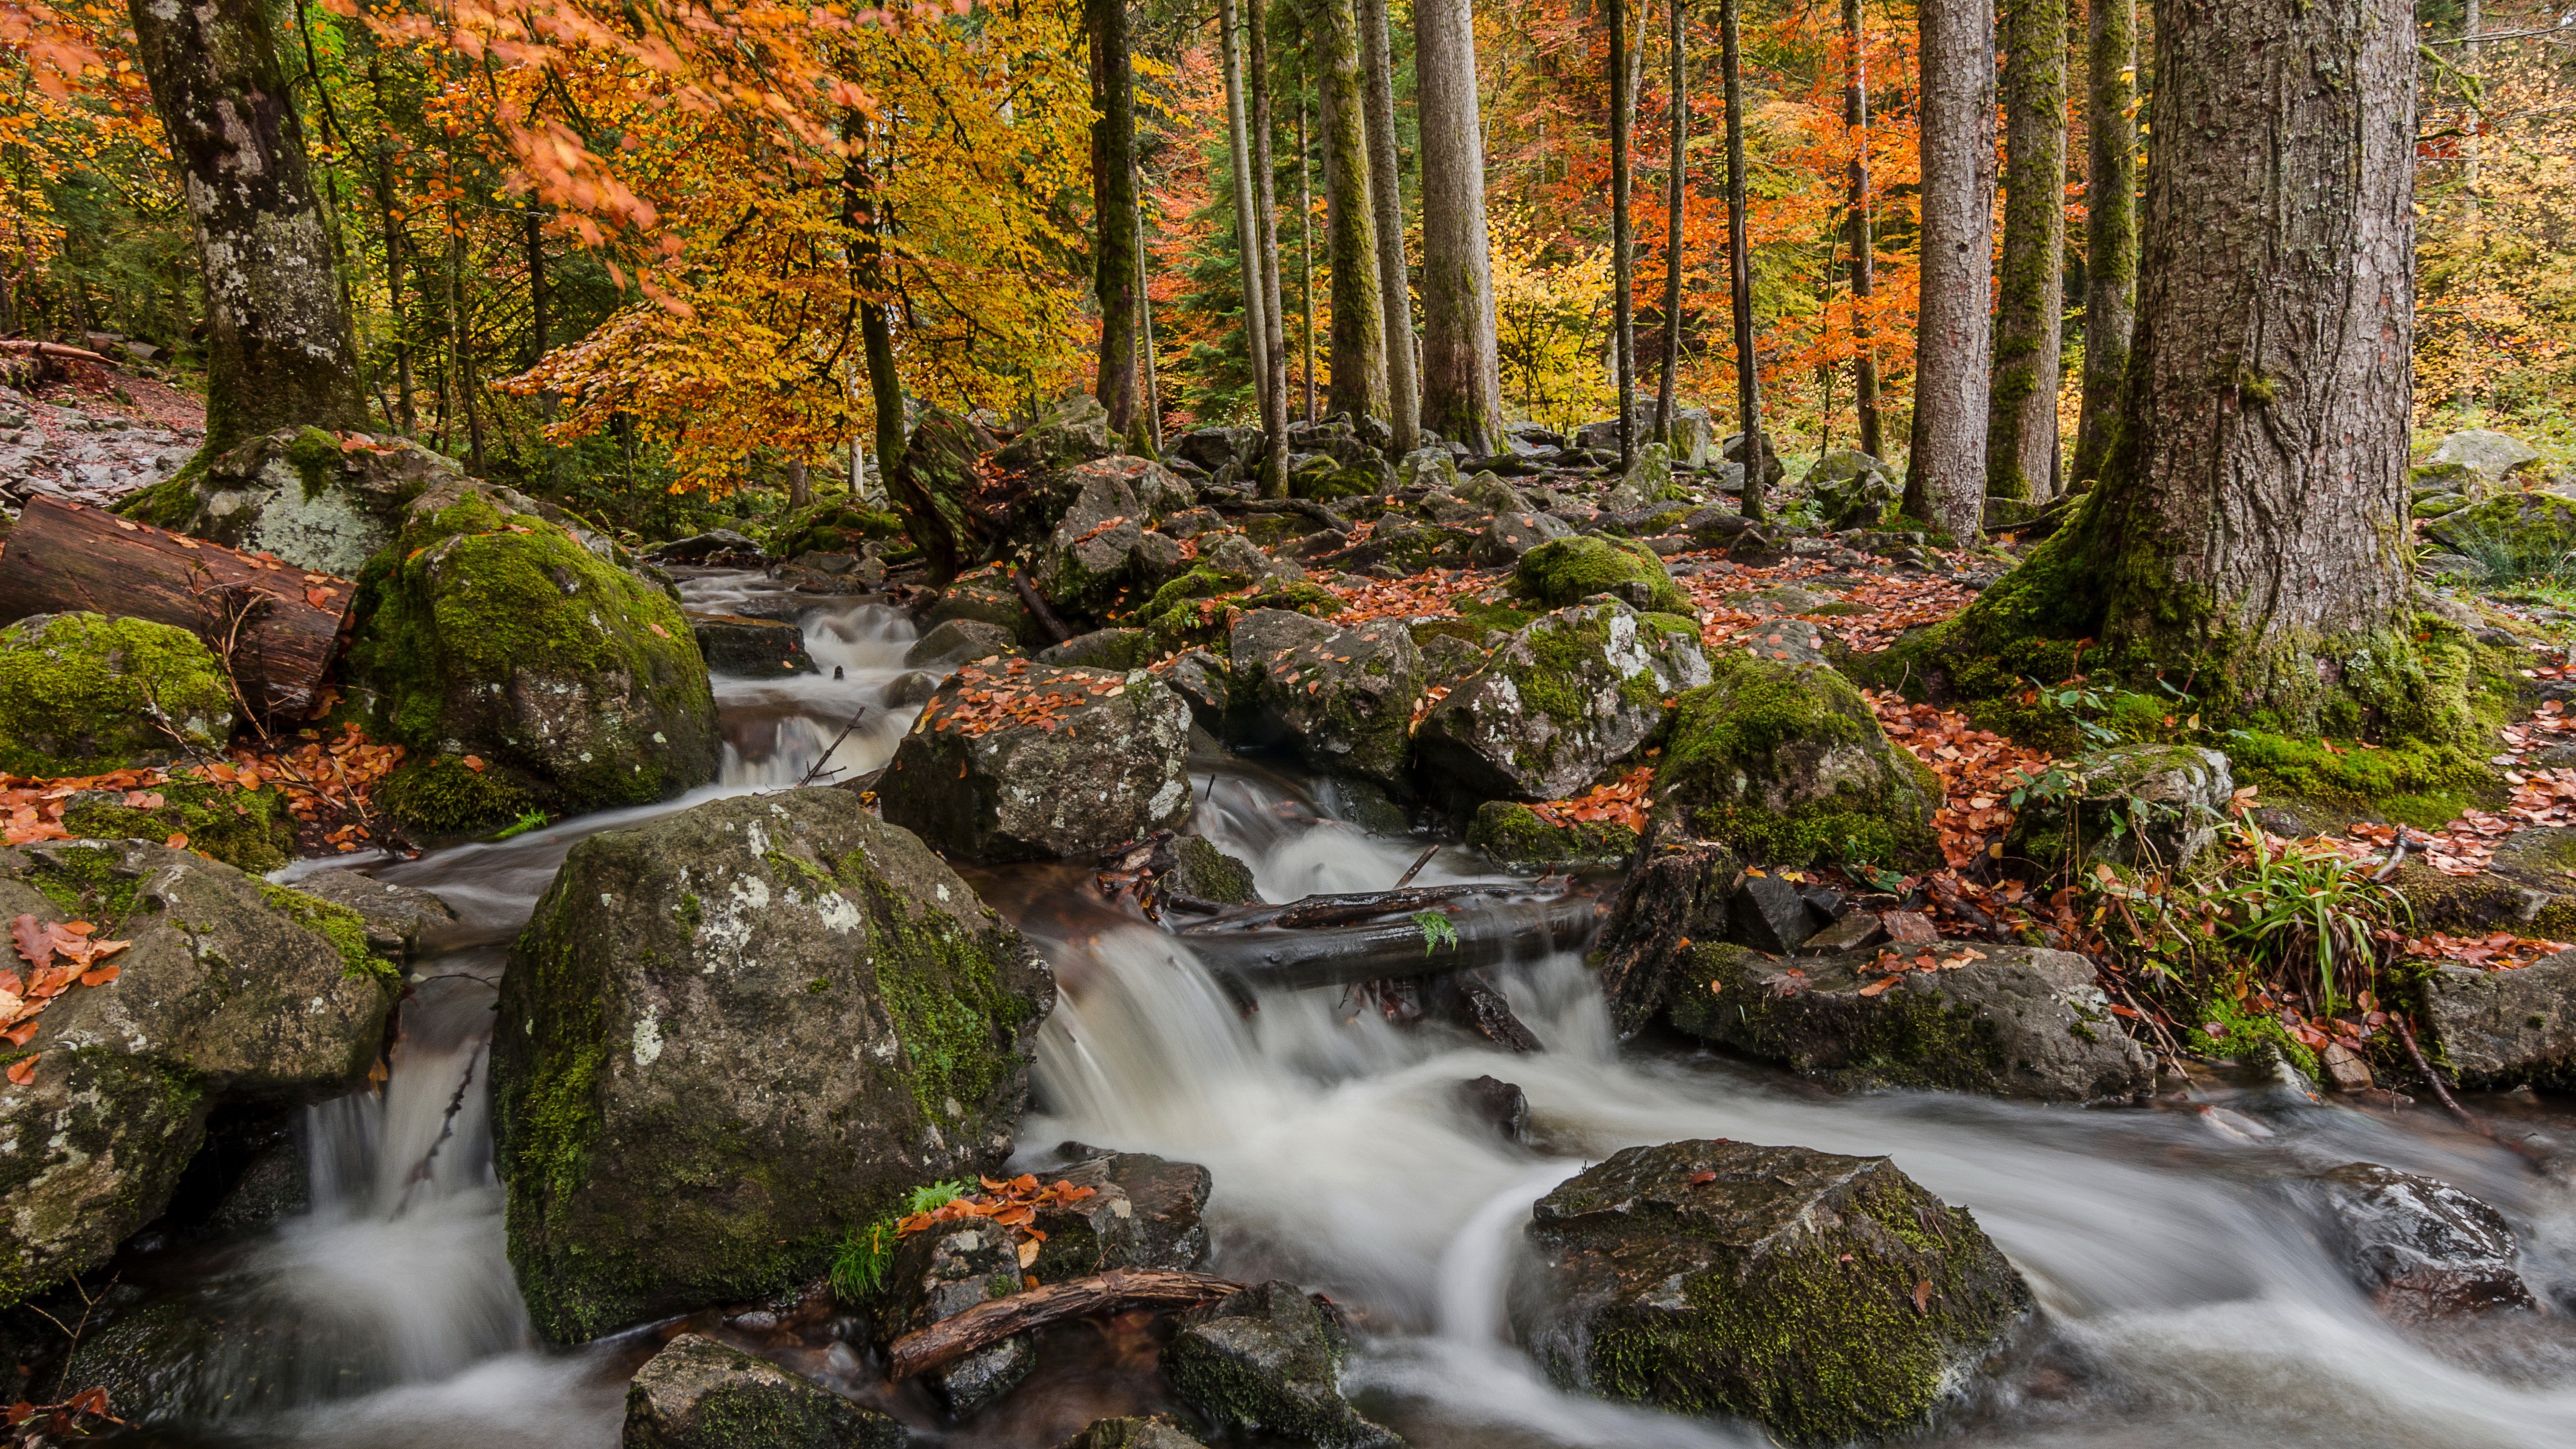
776, 729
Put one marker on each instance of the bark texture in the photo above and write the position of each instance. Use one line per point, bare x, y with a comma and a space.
1113, 202
279, 351
1946, 477
2021, 420
2110, 230
1462, 385
1623, 256
1256, 323
1739, 259
1858, 223
1358, 363
1265, 243
1675, 162
1386, 201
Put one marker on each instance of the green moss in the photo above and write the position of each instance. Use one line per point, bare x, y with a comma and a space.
1785, 764
445, 796
1566, 571
89, 884
313, 455
345, 929
81, 694
2415, 783
1209, 874
2253, 1037
836, 526
940, 985
1513, 836
169, 503
249, 830
1901, 1039
1198, 609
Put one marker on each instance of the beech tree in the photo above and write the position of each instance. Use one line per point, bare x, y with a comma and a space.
1858, 225
1739, 260
1264, 240
1623, 259
1359, 317
1674, 175
1256, 320
2021, 419
1462, 381
2110, 228
1386, 203
1945, 479
1113, 201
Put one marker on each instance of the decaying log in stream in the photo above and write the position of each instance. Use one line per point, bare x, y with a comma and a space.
991, 1322
276, 627
1487, 931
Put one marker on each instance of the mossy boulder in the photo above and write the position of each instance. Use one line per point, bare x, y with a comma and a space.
250, 830
443, 795
732, 1035
1513, 533
1202, 872
1118, 649
1076, 430
1680, 895
1785, 764
2001, 1021
1342, 698
489, 630
1648, 481
1515, 837
2152, 807
951, 1268
984, 596
1269, 1360
81, 694
1569, 570
1100, 557
836, 525
231, 992
1155, 1431
1827, 1298
1231, 578
698, 1393
299, 496
1851, 489
2515, 533
1569, 699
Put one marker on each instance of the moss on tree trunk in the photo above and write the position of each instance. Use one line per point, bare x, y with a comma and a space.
1358, 384
2021, 418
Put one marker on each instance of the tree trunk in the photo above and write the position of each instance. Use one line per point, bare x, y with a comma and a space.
539, 325
1113, 203
1623, 260
860, 217
800, 485
1238, 145
2021, 418
1864, 245
1386, 200
460, 338
1946, 477
1306, 240
1675, 173
1265, 234
1359, 315
279, 350
2110, 230
1462, 385
1739, 262
1152, 431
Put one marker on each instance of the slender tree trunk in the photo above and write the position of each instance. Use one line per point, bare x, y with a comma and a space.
1386, 200
1864, 245
1462, 386
2472, 23
865, 224
1623, 260
1238, 145
2110, 230
1153, 429
1359, 315
800, 485
1945, 479
279, 347
1675, 173
460, 340
1265, 234
1306, 239
1113, 201
1739, 262
2021, 417
540, 328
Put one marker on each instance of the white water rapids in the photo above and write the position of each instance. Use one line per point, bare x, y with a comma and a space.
2184, 1302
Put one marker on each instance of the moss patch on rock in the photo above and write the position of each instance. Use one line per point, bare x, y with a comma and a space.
1566, 571
345, 929
247, 829
1786, 765
1513, 836
81, 694
445, 796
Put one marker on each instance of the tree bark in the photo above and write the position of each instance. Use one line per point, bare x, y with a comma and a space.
2021, 417
2110, 229
1462, 385
864, 224
1152, 429
1265, 234
1864, 244
1113, 202
800, 484
1739, 262
1359, 317
1675, 173
1623, 260
1386, 200
279, 350
1306, 240
1238, 145
990, 1322
1946, 476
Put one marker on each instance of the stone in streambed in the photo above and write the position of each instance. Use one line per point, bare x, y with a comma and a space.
940, 1272
1344, 698
2508, 1028
698, 1393
751, 648
1675, 898
2420, 1247
1564, 703
1515, 837
954, 641
732, 1034
1150, 1432
1828, 1298
1269, 1359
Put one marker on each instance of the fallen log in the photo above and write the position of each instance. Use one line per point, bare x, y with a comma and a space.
28, 347
1248, 963
276, 627
1338, 910
991, 1322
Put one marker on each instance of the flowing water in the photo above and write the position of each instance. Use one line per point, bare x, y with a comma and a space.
2184, 1300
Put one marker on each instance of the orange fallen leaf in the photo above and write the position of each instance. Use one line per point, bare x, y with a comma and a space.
178, 840
24, 1070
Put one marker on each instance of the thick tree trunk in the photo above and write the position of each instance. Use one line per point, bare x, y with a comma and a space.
2110, 230
1739, 261
2021, 418
279, 351
800, 484
1113, 202
1864, 245
1265, 243
1675, 173
1623, 259
1238, 145
1462, 387
1946, 477
1359, 313
1386, 200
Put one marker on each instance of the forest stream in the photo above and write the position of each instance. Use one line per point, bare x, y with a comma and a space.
2180, 1300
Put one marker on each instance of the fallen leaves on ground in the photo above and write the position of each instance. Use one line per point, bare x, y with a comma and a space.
31, 808
58, 954
1012, 1205
990, 698
1621, 802
2496, 951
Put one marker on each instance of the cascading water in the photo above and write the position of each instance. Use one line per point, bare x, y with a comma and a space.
2183, 1301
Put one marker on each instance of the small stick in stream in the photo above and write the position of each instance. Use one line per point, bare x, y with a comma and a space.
446, 1128
1415, 869
816, 770
2406, 1034
991, 1322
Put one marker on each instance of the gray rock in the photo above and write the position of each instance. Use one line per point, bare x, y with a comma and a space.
1206, 683
984, 596
1496, 1104
1232, 553
1572, 696
1153, 1432
1829, 1298
1075, 431
1851, 489
751, 648
1343, 697
2003, 1021
2421, 1248
1100, 554
2507, 1028
1773, 470
1427, 468
1648, 481
1493, 495
1118, 649
1219, 449
1672, 900
700, 1394
1692, 438
943, 1271
1786, 641
396, 916
2155, 807
1144, 1212
954, 641
298, 495
1092, 759
1769, 915
2481, 453
732, 1034
1269, 1359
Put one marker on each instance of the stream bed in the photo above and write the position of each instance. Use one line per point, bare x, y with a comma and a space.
2184, 1300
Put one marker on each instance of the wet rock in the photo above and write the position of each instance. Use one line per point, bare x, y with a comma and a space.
2420, 1247
1344, 698
82, 694
1118, 649
2153, 807
1152, 1432
1203, 872
986, 596
395, 917
732, 1034
1040, 762
1676, 898
1851, 489
717, 547
1513, 534
1569, 570
1769, 915
1206, 683
498, 633
1144, 1212
1784, 763
751, 648
2003, 1021
1515, 837
1499, 1105
700, 1394
2343, 1068
954, 641
1269, 1359
1828, 1298
1850, 932
1076, 430
1564, 703
2498, 1029
298, 495
1474, 1005
941, 1272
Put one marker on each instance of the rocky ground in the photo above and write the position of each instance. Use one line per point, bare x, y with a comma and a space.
94, 438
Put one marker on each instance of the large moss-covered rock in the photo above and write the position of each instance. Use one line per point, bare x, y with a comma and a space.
83, 693
1344, 698
1569, 570
230, 991
1785, 764
491, 631
1828, 1298
251, 830
1851, 489
1680, 895
700, 1394
1649, 480
1516, 837
1076, 430
2508, 1028
1099, 557
729, 1036
1569, 699
2156, 807
1022, 761
2005, 1021
2519, 532
300, 496
1269, 1359
834, 525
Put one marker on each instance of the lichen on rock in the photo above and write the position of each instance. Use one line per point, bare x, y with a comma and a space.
299, 496
1570, 698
